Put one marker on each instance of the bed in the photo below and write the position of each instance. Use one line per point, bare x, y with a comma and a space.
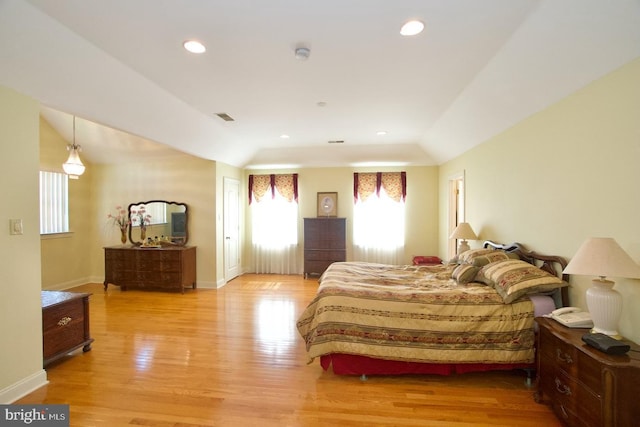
472, 315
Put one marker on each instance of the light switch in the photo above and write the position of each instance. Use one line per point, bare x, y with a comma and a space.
15, 226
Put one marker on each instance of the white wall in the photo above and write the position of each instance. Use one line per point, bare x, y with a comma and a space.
20, 308
565, 174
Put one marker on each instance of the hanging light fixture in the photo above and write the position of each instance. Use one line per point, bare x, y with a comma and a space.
73, 166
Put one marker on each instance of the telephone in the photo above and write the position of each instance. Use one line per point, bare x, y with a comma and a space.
572, 317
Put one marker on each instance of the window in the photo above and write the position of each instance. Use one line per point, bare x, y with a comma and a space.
54, 202
274, 227
379, 217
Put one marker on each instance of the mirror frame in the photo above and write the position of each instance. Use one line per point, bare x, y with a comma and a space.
183, 241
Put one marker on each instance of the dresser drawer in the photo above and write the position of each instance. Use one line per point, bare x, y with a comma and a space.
316, 267
573, 401
568, 358
322, 255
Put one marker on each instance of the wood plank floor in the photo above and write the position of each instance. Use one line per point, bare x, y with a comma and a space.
232, 357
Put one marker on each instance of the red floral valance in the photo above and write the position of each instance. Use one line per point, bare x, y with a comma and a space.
394, 184
287, 186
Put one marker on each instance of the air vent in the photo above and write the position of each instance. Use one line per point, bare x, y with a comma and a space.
225, 117
336, 141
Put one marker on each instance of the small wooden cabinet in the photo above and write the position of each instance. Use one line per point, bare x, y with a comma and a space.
65, 324
324, 243
167, 268
585, 386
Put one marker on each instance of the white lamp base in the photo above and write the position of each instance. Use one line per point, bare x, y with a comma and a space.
605, 306
463, 246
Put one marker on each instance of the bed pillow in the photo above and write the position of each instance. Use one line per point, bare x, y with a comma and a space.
464, 273
482, 260
467, 257
513, 279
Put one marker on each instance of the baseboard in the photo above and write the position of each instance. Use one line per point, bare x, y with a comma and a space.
72, 284
23, 387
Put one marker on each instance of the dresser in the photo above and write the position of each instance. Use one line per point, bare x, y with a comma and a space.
325, 242
170, 268
65, 324
584, 386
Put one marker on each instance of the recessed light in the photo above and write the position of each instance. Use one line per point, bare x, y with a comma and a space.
412, 28
381, 132
194, 46
284, 136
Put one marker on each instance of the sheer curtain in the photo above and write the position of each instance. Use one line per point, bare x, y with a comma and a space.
274, 212
379, 217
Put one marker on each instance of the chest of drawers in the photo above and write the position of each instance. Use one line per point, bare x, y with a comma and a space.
167, 268
65, 324
585, 386
324, 243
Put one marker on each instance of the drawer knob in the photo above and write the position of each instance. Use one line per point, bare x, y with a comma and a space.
64, 321
563, 357
562, 388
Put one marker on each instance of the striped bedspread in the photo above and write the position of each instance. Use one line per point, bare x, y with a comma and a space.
414, 313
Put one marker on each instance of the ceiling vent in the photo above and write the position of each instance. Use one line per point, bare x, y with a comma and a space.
336, 141
225, 117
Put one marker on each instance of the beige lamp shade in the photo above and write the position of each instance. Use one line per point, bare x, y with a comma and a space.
463, 231
602, 257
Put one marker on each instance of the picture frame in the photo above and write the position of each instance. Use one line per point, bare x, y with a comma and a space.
327, 204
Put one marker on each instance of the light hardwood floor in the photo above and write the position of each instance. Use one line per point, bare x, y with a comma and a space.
232, 357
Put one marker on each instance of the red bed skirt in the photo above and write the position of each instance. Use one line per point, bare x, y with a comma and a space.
348, 364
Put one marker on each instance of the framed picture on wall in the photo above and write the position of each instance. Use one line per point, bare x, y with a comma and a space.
327, 204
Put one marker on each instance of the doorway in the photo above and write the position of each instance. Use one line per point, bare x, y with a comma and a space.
456, 209
231, 224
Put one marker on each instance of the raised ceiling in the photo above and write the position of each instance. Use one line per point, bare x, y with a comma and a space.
479, 67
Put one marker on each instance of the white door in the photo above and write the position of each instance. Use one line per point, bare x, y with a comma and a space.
231, 224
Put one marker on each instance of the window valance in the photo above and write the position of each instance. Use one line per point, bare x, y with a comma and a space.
286, 184
366, 184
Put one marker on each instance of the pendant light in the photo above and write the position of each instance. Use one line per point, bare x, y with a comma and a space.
73, 166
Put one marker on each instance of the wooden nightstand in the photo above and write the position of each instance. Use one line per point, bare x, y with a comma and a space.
65, 323
585, 386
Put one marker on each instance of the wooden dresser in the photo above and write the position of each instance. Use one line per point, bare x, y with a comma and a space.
167, 268
325, 242
65, 324
585, 386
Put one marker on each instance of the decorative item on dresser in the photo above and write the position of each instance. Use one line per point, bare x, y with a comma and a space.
324, 243
328, 204
585, 386
159, 268
65, 324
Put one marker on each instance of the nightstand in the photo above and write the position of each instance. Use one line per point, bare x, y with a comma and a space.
65, 324
584, 386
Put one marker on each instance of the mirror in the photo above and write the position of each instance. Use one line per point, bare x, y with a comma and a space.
165, 220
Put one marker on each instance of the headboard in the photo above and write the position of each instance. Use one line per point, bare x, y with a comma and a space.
552, 264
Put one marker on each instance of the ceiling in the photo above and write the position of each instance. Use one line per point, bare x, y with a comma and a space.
479, 67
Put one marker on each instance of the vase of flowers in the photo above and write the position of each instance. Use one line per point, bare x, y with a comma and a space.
121, 220
143, 219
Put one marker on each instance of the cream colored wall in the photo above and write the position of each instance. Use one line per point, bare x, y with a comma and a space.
65, 260
20, 308
565, 174
181, 178
421, 204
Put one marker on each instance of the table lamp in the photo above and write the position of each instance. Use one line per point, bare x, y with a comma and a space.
602, 257
463, 232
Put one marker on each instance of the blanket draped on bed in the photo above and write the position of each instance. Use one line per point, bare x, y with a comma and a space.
417, 314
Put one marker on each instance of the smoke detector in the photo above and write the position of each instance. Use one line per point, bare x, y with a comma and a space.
302, 53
